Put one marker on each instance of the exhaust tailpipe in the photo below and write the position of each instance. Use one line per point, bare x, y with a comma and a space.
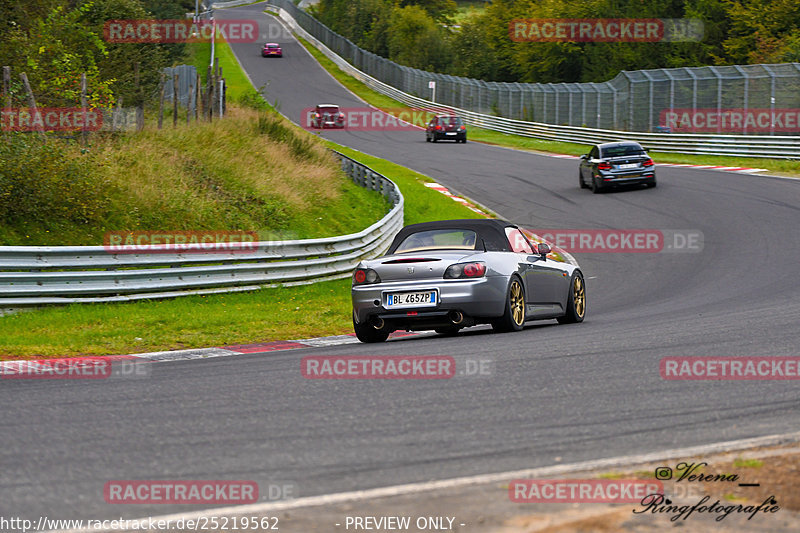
377, 322
456, 317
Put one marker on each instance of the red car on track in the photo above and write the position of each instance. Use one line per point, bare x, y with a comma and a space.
327, 116
272, 50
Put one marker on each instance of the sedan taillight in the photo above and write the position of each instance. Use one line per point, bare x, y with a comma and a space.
603, 166
364, 276
465, 270
648, 162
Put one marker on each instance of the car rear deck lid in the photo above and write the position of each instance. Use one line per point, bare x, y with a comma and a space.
410, 260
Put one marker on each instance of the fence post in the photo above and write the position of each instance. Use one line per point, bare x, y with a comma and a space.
161, 99
139, 100
31, 101
174, 99
771, 100
599, 106
224, 99
6, 90
83, 108
197, 98
209, 100
219, 92
115, 115
6, 87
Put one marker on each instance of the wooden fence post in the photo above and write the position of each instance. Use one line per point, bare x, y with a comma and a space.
6, 90
210, 94
189, 103
174, 100
139, 101
32, 101
6, 87
161, 100
197, 98
83, 108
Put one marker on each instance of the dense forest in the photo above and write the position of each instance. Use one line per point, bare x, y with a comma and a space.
55, 41
423, 34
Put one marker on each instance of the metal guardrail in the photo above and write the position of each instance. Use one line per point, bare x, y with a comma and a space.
40, 275
785, 147
231, 3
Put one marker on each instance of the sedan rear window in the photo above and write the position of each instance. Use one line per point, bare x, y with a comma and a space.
625, 149
450, 121
439, 239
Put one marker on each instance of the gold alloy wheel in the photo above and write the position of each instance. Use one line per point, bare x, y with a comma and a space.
579, 296
517, 302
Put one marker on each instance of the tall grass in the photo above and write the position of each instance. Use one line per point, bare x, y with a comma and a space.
246, 172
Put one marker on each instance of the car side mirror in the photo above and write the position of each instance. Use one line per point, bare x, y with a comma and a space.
543, 249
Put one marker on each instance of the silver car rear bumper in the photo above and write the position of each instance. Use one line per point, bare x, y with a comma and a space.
476, 298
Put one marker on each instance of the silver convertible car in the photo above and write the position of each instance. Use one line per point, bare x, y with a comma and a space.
452, 274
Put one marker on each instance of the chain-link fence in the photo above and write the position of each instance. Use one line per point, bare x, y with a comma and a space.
748, 99
187, 85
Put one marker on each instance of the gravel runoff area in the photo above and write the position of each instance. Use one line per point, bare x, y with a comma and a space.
486, 508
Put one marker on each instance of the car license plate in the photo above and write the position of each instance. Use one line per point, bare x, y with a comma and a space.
451, 133
629, 165
395, 300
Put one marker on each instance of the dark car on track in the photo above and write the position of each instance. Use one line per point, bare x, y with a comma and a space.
272, 50
448, 127
327, 116
614, 164
453, 274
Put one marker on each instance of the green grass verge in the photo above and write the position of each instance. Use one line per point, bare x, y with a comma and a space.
779, 166
421, 203
186, 322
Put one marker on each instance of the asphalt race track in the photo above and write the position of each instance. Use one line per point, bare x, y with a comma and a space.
557, 393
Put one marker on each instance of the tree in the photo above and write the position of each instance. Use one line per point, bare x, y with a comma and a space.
440, 10
762, 31
54, 49
415, 40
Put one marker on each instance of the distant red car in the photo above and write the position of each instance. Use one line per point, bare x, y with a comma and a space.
448, 127
327, 116
272, 50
